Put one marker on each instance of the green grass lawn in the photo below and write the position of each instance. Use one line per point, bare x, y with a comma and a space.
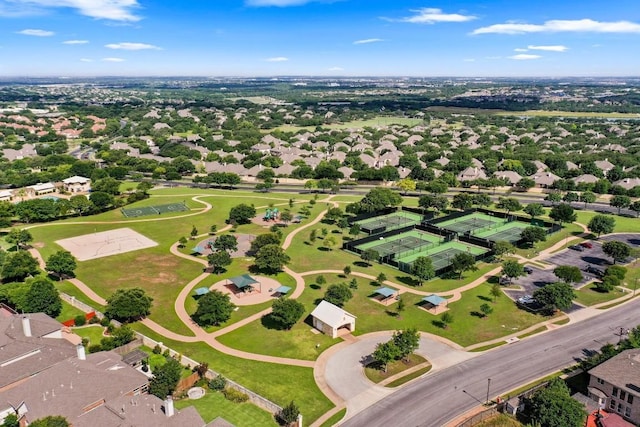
279, 383
68, 312
335, 418
623, 224
376, 373
589, 295
214, 405
69, 289
93, 332
406, 378
358, 124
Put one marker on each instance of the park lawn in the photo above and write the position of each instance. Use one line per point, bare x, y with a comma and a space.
264, 336
278, 383
94, 333
466, 329
373, 122
69, 289
335, 418
623, 224
548, 113
589, 295
214, 405
375, 372
569, 230
68, 312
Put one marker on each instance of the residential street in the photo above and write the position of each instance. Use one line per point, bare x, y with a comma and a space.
445, 394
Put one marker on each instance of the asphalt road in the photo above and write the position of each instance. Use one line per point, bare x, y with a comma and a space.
445, 394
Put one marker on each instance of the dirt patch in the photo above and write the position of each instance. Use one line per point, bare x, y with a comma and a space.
105, 243
244, 244
150, 270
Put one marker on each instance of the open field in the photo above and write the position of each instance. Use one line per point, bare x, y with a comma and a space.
379, 121
546, 113
94, 333
588, 295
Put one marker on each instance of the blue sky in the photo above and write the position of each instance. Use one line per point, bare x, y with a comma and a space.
319, 38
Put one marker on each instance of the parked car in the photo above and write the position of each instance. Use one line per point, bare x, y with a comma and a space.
587, 245
576, 248
528, 269
526, 299
594, 270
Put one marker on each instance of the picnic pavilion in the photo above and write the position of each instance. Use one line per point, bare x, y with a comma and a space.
245, 284
434, 304
386, 296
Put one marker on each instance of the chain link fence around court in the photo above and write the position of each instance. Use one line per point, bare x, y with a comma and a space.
153, 210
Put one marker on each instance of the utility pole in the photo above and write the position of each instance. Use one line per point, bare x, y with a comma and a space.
488, 386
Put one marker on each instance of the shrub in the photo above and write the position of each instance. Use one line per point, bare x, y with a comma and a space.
85, 341
104, 321
95, 348
80, 320
166, 353
218, 383
157, 349
235, 396
94, 320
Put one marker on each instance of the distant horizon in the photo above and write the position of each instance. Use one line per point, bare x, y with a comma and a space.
318, 77
330, 38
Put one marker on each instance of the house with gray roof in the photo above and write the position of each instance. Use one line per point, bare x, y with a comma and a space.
604, 165
586, 178
628, 183
615, 384
511, 176
471, 174
544, 179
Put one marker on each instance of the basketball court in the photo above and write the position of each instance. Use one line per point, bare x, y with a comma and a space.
105, 243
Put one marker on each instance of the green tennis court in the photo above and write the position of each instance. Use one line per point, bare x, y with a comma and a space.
390, 221
154, 210
442, 255
470, 222
509, 232
403, 242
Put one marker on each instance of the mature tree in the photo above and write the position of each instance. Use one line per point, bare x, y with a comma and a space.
354, 230
18, 265
218, 261
338, 294
165, 378
106, 185
334, 214
481, 200
462, 201
617, 250
144, 187
376, 200
43, 297
554, 198
509, 204
329, 242
101, 200
525, 184
600, 224
635, 206
438, 203
381, 278
50, 421
512, 269
570, 197
385, 352
446, 319
36, 210
264, 240
61, 263
495, 291
346, 270
406, 341
241, 214
80, 204
369, 255
11, 420
534, 210
620, 202
553, 406
287, 312
406, 184
503, 247
423, 269
128, 305
486, 309
213, 308
320, 280
562, 213
616, 271
462, 262
271, 258
18, 237
555, 296
182, 242
289, 414
286, 216
226, 242
568, 273
194, 232
533, 234
587, 197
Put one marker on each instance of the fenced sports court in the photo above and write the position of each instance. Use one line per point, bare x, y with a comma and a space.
441, 255
471, 223
154, 210
410, 241
509, 232
390, 221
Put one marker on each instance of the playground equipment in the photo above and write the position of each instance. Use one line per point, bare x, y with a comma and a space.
271, 214
209, 245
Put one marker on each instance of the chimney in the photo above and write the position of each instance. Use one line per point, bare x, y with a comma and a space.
80, 352
26, 326
168, 407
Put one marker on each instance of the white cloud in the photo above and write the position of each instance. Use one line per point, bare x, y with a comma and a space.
579, 25
336, 69
520, 49
524, 57
86, 60
113, 59
366, 41
431, 16
278, 3
75, 42
36, 33
551, 48
116, 10
469, 60
131, 46
277, 59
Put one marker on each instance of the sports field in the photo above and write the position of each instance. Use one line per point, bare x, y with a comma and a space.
472, 222
442, 255
154, 210
410, 241
390, 221
509, 232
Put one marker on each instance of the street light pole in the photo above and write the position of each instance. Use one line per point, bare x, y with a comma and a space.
488, 385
